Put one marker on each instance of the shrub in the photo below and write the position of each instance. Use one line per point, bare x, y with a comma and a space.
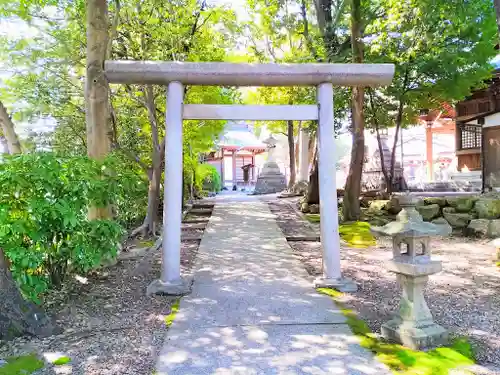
44, 229
207, 178
130, 197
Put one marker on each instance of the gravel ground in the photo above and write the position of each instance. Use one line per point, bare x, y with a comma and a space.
110, 326
289, 221
464, 297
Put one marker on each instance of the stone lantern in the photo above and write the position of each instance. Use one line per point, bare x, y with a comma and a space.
413, 325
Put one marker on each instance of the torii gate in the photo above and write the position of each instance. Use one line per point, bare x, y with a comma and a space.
177, 74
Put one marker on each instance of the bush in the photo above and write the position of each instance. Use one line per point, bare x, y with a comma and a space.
44, 229
207, 178
130, 197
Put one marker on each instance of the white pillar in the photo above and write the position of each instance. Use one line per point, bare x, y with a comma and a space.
171, 281
329, 221
235, 181
303, 155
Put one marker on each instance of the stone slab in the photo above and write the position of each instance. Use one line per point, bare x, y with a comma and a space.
239, 74
268, 349
417, 338
242, 303
253, 308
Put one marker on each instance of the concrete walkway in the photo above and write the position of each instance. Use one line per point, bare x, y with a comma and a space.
253, 309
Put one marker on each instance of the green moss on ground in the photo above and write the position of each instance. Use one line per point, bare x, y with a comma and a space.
146, 243
313, 218
169, 319
402, 360
355, 234
23, 365
61, 361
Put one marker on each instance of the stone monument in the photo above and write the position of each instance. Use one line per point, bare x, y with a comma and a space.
270, 179
413, 325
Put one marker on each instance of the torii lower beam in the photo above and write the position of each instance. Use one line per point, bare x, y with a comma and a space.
177, 74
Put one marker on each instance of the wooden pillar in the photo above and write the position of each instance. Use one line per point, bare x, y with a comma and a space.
429, 152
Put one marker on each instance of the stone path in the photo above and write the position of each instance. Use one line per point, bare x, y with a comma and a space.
253, 309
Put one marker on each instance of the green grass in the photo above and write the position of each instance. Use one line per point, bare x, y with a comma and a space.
356, 234
23, 365
169, 319
402, 360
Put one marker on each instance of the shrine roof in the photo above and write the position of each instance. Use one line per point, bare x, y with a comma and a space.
237, 135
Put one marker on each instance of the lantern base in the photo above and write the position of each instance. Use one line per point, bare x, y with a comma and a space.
343, 285
426, 336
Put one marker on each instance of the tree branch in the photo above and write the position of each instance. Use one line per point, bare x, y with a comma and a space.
305, 33
151, 107
113, 30
132, 156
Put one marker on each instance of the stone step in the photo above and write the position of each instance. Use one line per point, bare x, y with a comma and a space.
209, 206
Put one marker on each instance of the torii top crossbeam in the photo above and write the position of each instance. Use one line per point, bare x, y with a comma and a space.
238, 74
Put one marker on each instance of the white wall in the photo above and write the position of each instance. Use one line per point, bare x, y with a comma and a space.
492, 120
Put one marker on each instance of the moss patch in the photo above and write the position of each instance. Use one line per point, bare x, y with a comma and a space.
313, 218
169, 319
61, 361
146, 243
22, 365
356, 234
401, 360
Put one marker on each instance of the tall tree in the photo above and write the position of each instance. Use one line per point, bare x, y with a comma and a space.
189, 38
186, 30
96, 89
439, 57
279, 25
7, 126
350, 202
497, 11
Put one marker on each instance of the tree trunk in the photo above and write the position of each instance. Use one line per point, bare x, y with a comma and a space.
151, 219
312, 149
350, 202
291, 154
497, 9
96, 90
18, 316
12, 140
313, 189
385, 172
387, 178
390, 183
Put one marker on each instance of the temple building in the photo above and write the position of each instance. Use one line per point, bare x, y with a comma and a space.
238, 147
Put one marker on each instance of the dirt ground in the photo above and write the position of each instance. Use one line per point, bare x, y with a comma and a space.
110, 326
464, 297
